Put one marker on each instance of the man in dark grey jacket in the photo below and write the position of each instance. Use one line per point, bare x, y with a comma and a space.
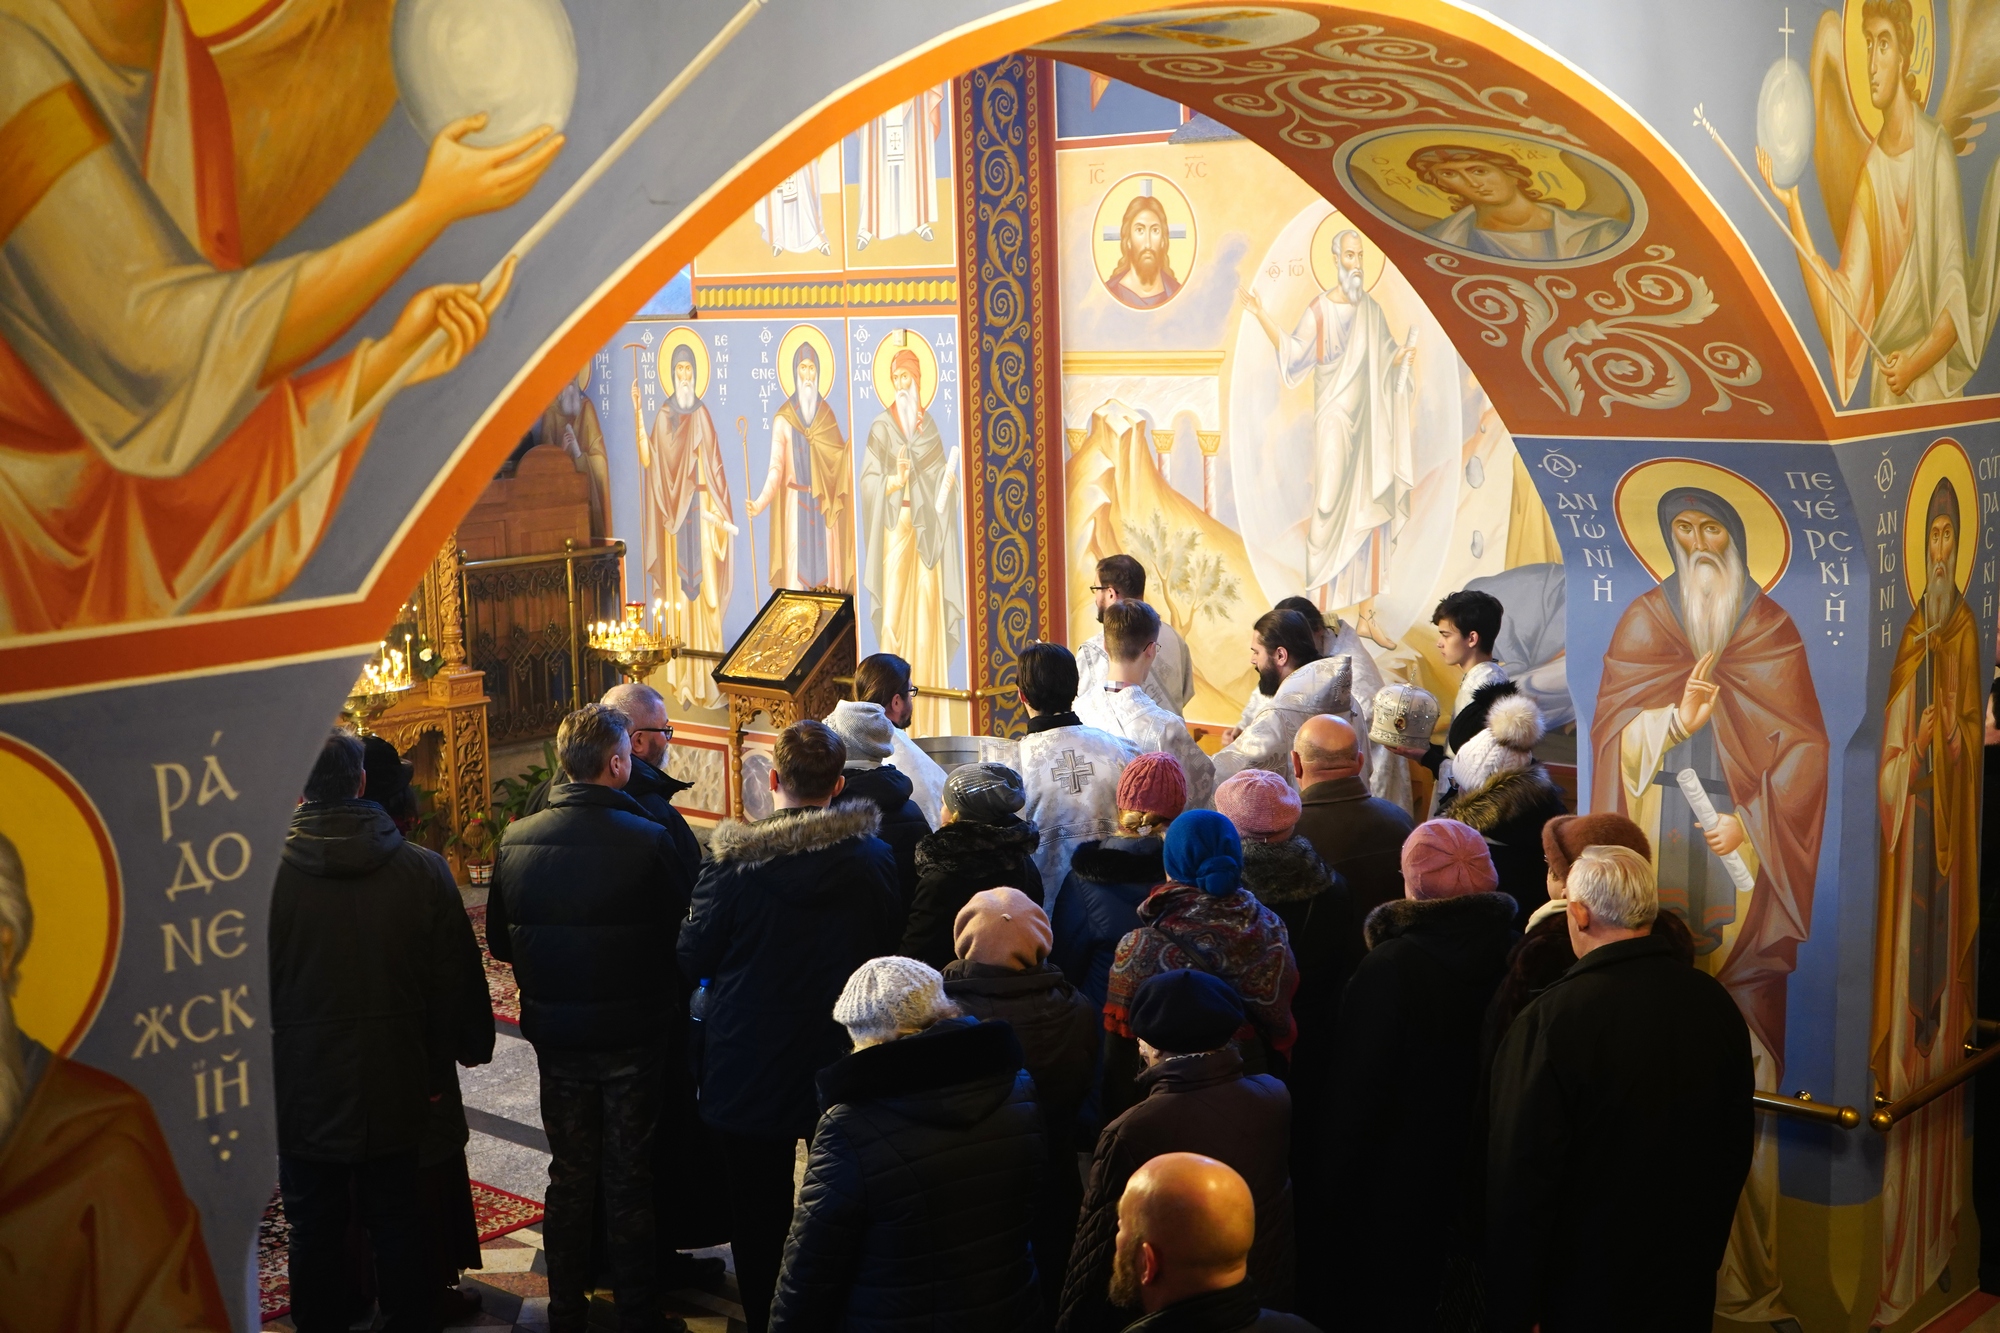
367, 942
584, 894
1357, 834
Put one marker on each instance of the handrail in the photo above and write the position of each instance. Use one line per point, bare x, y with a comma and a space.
611, 547
1802, 1105
1888, 1114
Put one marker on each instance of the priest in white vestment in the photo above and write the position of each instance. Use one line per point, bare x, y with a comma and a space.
1284, 652
1121, 706
1170, 679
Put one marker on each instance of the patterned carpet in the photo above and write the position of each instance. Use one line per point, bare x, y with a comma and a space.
499, 975
494, 1211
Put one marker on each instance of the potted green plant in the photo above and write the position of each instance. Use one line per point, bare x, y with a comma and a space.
475, 843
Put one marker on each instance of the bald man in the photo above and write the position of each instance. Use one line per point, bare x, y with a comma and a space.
1185, 1226
1355, 832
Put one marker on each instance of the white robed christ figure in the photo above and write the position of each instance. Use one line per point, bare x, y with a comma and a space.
1364, 460
899, 170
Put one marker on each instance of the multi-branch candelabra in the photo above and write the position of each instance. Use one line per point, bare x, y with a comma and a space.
382, 684
637, 648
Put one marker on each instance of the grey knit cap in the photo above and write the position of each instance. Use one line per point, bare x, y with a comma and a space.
984, 793
886, 996
869, 733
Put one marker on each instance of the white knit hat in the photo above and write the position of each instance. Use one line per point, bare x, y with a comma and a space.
1514, 728
869, 733
886, 996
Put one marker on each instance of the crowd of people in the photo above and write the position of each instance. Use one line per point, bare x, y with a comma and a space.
1114, 1031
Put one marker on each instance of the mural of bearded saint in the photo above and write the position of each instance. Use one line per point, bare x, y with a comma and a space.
812, 524
1707, 673
571, 424
1928, 921
909, 519
689, 524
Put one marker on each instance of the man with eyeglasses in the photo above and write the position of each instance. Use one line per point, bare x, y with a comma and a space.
1170, 678
884, 679
650, 784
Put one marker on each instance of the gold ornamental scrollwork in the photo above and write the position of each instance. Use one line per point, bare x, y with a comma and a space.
1358, 74
1622, 350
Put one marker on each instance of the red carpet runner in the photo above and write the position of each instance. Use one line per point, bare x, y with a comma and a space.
499, 976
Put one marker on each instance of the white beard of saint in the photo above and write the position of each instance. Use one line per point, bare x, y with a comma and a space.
1939, 593
684, 396
807, 401
1711, 596
1350, 284
907, 410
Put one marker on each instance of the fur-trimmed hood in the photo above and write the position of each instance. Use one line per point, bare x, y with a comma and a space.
1100, 864
956, 1070
966, 847
793, 832
1284, 872
1471, 913
1506, 797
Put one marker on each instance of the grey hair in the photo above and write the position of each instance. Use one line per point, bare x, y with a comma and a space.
1343, 234
631, 694
1616, 884
17, 914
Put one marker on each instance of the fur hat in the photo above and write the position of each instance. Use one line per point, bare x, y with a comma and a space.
1260, 803
1565, 837
1153, 784
1443, 858
1514, 728
1185, 1012
1003, 928
869, 733
984, 793
889, 996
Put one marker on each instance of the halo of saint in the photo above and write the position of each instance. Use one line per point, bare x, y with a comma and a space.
788, 347
1325, 254
1945, 460
1144, 241
1921, 67
885, 366
688, 338
74, 887
1636, 502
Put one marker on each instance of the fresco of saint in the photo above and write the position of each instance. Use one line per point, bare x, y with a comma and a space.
1497, 210
139, 437
789, 218
909, 521
1706, 673
1144, 277
1363, 460
1927, 926
689, 524
807, 487
570, 423
899, 170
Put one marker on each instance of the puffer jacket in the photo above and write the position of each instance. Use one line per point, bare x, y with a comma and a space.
368, 942
584, 896
919, 1191
1509, 810
654, 789
1099, 904
957, 861
784, 912
903, 825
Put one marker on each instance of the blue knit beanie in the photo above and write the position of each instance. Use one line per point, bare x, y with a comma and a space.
1203, 850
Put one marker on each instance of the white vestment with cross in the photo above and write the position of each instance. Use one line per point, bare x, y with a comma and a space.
1071, 775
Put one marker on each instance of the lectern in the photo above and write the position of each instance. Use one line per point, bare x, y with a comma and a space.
794, 661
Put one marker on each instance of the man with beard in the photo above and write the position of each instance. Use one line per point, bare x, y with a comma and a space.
812, 520
1929, 912
1363, 459
884, 678
571, 424
1706, 681
1144, 277
92, 1215
1170, 678
1185, 1225
686, 540
1284, 652
910, 525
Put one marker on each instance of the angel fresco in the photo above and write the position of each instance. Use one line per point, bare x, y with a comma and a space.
140, 437
1904, 287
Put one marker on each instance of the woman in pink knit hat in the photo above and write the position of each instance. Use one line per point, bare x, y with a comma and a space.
1109, 878
1408, 1065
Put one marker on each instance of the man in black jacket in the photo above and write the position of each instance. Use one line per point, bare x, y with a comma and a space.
786, 911
1186, 1224
1196, 1099
1358, 835
1621, 1126
367, 939
650, 784
583, 895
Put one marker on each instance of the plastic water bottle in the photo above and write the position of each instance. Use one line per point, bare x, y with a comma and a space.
698, 1002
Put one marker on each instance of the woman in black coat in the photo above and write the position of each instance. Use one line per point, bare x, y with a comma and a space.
983, 844
1508, 796
1002, 972
921, 1186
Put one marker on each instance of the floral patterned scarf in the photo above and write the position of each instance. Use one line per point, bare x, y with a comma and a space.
1231, 936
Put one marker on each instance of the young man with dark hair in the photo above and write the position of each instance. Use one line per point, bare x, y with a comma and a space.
1069, 769
368, 950
1468, 625
583, 895
787, 908
1122, 707
1298, 682
1170, 676
884, 679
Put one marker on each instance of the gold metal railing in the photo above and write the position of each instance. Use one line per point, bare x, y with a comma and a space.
934, 691
1888, 1114
1802, 1106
